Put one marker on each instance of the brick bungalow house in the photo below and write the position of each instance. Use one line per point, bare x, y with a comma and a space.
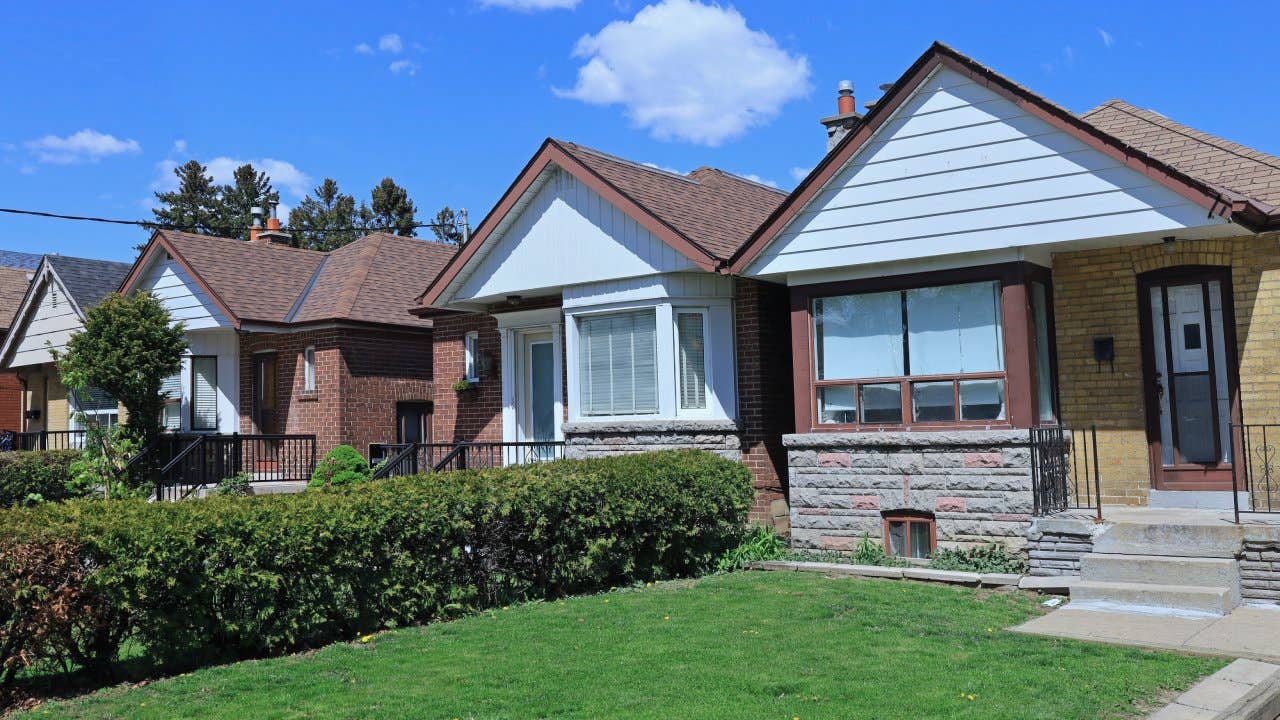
285, 340
51, 311
968, 266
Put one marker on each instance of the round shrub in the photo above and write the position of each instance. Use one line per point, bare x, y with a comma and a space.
342, 465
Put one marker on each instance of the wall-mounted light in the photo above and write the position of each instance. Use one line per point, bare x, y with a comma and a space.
1170, 243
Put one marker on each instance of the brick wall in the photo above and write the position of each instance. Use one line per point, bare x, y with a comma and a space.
472, 415
298, 412
1096, 295
10, 401
382, 369
765, 405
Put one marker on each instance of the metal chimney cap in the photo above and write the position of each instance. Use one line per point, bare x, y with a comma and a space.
845, 87
256, 212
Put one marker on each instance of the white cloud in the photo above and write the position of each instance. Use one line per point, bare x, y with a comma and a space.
179, 147
1106, 37
688, 71
84, 146
364, 49
404, 66
664, 168
391, 43
284, 175
800, 173
530, 5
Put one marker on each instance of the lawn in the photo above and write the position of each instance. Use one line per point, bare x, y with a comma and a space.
746, 645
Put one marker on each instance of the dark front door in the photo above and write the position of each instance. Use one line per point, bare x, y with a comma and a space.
413, 422
1191, 376
264, 394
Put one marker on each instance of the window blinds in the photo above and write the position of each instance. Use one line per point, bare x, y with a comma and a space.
171, 391
690, 331
617, 364
204, 393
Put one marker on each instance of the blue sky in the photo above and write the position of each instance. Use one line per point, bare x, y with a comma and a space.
451, 98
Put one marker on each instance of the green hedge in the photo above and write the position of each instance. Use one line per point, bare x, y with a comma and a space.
40, 472
244, 577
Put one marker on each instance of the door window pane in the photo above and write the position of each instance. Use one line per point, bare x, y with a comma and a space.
955, 329
921, 540
1193, 399
882, 403
933, 401
836, 405
981, 399
859, 336
542, 391
1044, 366
617, 364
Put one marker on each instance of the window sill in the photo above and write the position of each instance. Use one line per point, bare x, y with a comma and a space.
655, 425
309, 396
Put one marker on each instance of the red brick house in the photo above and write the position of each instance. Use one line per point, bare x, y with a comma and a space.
285, 340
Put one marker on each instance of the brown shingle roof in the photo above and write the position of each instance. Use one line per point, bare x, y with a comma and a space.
369, 280
713, 209
13, 288
1208, 158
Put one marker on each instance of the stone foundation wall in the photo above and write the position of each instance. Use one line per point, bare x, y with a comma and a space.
1260, 571
1055, 545
588, 439
977, 484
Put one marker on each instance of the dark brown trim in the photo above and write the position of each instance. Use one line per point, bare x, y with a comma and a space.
552, 152
159, 241
1215, 201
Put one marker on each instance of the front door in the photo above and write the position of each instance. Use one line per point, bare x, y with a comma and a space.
264, 394
537, 416
1191, 376
413, 422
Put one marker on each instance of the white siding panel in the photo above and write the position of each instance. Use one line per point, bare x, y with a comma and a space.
568, 234
51, 326
181, 296
673, 285
224, 345
959, 168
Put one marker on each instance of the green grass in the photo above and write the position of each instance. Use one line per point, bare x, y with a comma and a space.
746, 645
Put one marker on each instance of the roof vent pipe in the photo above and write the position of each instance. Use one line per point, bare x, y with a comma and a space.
845, 103
254, 229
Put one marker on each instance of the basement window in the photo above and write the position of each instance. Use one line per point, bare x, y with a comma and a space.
909, 534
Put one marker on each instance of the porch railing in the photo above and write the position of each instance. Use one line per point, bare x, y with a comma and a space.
181, 465
42, 440
1064, 470
1256, 471
415, 458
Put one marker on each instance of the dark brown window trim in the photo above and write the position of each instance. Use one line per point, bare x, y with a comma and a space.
1021, 396
909, 517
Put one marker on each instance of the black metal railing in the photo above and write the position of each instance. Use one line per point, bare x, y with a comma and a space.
42, 440
1256, 470
202, 461
1064, 470
414, 458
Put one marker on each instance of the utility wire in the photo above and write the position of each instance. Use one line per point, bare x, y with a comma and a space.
152, 225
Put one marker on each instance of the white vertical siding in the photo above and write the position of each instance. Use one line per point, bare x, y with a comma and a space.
567, 233
181, 296
224, 345
671, 285
959, 168
52, 325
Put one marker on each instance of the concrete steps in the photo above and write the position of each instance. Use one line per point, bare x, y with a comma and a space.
1154, 597
1171, 539
1198, 572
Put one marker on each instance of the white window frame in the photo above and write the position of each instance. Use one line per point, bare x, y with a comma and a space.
309, 369
658, 334
707, 361
470, 349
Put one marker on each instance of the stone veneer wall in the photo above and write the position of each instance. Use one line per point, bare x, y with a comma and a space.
1055, 545
598, 439
977, 483
1260, 570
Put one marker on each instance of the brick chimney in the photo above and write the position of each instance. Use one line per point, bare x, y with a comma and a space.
272, 233
846, 118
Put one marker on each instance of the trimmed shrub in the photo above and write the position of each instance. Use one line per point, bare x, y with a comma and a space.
343, 465
244, 577
29, 477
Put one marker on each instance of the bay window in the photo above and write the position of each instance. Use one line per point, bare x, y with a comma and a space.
930, 354
617, 363
691, 349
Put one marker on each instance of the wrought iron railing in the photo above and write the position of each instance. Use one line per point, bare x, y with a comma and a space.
1064, 470
198, 462
1256, 470
414, 458
42, 440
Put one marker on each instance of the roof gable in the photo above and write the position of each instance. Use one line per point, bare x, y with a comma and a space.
1007, 107
44, 322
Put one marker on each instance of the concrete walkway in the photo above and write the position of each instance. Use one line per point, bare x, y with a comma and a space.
1243, 690
1246, 632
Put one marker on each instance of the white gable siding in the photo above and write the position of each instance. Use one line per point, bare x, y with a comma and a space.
674, 285
567, 234
959, 168
181, 296
52, 325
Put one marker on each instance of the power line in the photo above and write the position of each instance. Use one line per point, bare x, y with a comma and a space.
152, 225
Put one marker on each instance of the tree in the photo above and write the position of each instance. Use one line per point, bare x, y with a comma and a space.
249, 188
326, 219
446, 226
195, 206
127, 348
390, 210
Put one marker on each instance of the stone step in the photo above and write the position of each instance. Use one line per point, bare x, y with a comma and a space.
1160, 570
1162, 598
1196, 499
1170, 539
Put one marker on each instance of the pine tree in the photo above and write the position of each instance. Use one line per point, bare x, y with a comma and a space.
195, 206
446, 226
391, 210
250, 188
326, 219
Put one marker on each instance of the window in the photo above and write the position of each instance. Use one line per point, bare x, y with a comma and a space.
171, 391
470, 343
94, 406
909, 534
1044, 362
617, 364
309, 369
924, 355
691, 350
204, 392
